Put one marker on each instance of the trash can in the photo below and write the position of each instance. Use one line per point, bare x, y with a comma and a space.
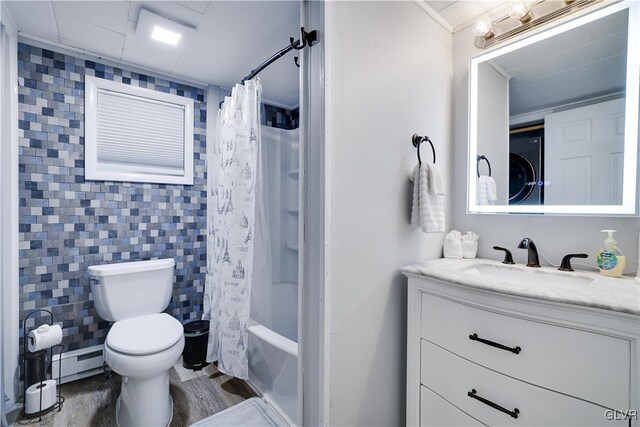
196, 335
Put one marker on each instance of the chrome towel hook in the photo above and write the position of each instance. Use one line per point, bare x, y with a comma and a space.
416, 140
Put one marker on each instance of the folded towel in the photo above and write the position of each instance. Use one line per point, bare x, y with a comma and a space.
427, 211
486, 192
453, 236
470, 237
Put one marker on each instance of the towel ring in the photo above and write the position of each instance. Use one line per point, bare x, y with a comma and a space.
416, 140
482, 157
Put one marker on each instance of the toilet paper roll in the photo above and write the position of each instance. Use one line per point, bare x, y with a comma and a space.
32, 396
44, 337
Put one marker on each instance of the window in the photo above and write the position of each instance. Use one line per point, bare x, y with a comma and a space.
136, 134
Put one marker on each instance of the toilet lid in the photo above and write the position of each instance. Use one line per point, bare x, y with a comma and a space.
145, 334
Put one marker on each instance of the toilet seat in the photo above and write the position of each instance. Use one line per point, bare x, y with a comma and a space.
144, 335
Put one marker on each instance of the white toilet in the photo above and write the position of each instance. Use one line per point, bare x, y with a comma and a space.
143, 343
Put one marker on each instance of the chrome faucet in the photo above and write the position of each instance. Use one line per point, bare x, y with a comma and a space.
532, 252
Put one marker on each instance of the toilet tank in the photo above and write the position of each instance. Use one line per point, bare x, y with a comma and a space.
131, 289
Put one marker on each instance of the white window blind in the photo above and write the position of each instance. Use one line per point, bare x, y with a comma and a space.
136, 134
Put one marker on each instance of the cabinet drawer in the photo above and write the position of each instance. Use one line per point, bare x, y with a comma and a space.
437, 412
453, 378
591, 366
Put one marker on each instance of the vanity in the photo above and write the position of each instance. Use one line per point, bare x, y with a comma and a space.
491, 344
495, 344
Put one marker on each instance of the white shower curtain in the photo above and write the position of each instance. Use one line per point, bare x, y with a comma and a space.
232, 211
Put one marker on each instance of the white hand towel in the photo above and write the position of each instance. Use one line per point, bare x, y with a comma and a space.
427, 210
492, 191
415, 206
482, 198
436, 184
453, 235
486, 192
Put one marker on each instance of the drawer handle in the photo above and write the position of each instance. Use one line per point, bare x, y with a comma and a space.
475, 337
472, 394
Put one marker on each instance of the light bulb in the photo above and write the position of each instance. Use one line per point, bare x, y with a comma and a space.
521, 11
483, 28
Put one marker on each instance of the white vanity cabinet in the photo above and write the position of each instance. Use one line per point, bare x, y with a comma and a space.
483, 357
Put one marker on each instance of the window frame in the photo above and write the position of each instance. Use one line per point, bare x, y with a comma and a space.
92, 169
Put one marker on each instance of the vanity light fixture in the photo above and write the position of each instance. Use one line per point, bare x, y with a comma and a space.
484, 28
521, 11
523, 17
165, 36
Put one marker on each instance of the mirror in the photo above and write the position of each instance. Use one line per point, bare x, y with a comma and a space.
554, 119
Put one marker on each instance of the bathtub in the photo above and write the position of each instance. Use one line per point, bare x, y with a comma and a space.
273, 369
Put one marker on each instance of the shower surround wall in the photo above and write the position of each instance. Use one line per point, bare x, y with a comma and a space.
68, 224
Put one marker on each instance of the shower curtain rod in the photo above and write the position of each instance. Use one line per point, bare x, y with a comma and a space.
307, 38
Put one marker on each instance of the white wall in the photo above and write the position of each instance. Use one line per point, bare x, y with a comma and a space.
388, 75
9, 206
493, 127
555, 236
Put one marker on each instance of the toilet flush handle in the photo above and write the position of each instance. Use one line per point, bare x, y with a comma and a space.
93, 281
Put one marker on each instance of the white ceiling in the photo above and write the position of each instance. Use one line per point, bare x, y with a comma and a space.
228, 40
582, 63
460, 13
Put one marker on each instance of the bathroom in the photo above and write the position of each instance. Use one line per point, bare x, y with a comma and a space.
338, 197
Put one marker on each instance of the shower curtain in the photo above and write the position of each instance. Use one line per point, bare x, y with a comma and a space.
235, 225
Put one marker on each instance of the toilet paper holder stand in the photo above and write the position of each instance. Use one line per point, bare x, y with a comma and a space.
57, 405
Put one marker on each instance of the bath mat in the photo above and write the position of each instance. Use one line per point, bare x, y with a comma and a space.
251, 412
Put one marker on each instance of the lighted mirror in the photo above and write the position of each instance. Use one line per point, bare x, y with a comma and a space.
554, 119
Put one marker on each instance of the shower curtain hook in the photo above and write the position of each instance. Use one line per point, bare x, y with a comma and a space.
295, 61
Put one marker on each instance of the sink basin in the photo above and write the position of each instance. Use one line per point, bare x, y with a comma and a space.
529, 276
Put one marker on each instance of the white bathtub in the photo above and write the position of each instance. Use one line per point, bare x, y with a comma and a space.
273, 368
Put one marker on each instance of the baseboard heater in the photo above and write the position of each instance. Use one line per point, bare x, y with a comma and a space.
78, 364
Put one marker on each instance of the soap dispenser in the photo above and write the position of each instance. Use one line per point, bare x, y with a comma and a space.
610, 259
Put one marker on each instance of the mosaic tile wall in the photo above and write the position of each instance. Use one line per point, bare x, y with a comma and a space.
68, 224
280, 118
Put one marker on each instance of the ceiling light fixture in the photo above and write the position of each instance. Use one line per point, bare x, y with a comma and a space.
165, 36
521, 18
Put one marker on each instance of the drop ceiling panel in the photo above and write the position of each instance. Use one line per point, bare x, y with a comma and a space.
198, 6
439, 5
275, 35
83, 35
461, 12
35, 18
141, 50
219, 65
246, 25
167, 9
110, 15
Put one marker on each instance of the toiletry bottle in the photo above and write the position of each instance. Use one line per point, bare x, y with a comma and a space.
610, 259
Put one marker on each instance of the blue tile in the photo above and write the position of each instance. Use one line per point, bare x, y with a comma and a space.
55, 153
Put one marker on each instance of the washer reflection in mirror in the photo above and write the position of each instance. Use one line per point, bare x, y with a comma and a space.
526, 165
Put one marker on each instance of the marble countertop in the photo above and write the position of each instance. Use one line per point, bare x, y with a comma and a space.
595, 290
